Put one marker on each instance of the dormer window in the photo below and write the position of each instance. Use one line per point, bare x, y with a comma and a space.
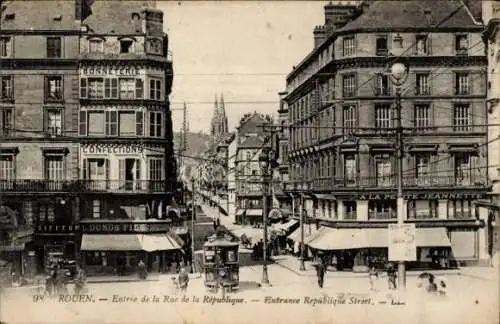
126, 46
96, 45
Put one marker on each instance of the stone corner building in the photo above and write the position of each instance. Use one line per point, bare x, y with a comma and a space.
86, 134
346, 173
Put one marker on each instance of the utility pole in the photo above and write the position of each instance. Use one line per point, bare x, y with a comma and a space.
193, 211
400, 197
301, 220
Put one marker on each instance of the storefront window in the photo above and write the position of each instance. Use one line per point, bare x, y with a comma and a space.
459, 209
349, 210
382, 209
422, 209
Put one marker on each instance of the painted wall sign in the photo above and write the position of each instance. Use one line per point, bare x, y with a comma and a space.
423, 196
57, 229
109, 71
115, 149
123, 228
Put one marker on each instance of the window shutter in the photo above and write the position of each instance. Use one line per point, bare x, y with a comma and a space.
429, 44
46, 87
139, 89
85, 169
114, 88
83, 123
121, 169
138, 169
107, 88
139, 123
107, 122
83, 88
106, 168
454, 82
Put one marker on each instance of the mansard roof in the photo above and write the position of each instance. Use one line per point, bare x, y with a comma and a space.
412, 14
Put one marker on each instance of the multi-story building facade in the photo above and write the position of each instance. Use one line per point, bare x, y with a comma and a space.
39, 45
490, 209
125, 131
341, 99
250, 140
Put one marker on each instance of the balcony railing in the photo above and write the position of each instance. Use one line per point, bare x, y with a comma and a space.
29, 185
122, 186
322, 184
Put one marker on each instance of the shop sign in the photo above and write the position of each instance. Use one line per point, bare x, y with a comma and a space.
108, 149
57, 229
402, 242
123, 228
108, 71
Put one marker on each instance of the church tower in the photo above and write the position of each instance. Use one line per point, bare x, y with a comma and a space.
223, 129
214, 124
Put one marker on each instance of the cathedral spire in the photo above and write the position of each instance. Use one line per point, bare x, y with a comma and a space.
222, 116
214, 127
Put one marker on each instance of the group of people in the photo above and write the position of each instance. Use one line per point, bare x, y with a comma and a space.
59, 277
426, 280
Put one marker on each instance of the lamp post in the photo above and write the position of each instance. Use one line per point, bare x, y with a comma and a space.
264, 164
399, 74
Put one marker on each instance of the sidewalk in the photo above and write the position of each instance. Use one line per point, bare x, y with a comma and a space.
292, 263
484, 273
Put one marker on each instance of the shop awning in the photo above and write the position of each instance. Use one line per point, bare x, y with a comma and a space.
106, 242
325, 197
432, 237
12, 247
283, 228
309, 230
254, 212
255, 234
158, 242
354, 238
338, 239
180, 230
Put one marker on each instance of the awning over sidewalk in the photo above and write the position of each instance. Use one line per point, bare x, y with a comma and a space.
104, 242
354, 238
325, 197
254, 212
309, 230
158, 242
283, 228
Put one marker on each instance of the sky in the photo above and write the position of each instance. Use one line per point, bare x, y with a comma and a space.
243, 49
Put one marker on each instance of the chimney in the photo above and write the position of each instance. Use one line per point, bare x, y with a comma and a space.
319, 35
340, 13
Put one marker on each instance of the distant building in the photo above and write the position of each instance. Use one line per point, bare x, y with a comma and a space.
250, 140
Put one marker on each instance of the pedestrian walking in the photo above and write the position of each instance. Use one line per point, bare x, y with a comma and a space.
373, 275
320, 271
391, 276
183, 279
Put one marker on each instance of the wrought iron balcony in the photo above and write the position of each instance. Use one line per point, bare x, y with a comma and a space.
41, 186
325, 184
122, 186
30, 185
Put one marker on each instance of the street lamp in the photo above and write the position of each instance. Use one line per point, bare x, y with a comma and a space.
264, 159
399, 74
301, 220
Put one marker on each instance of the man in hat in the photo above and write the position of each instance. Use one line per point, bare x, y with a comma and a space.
320, 270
